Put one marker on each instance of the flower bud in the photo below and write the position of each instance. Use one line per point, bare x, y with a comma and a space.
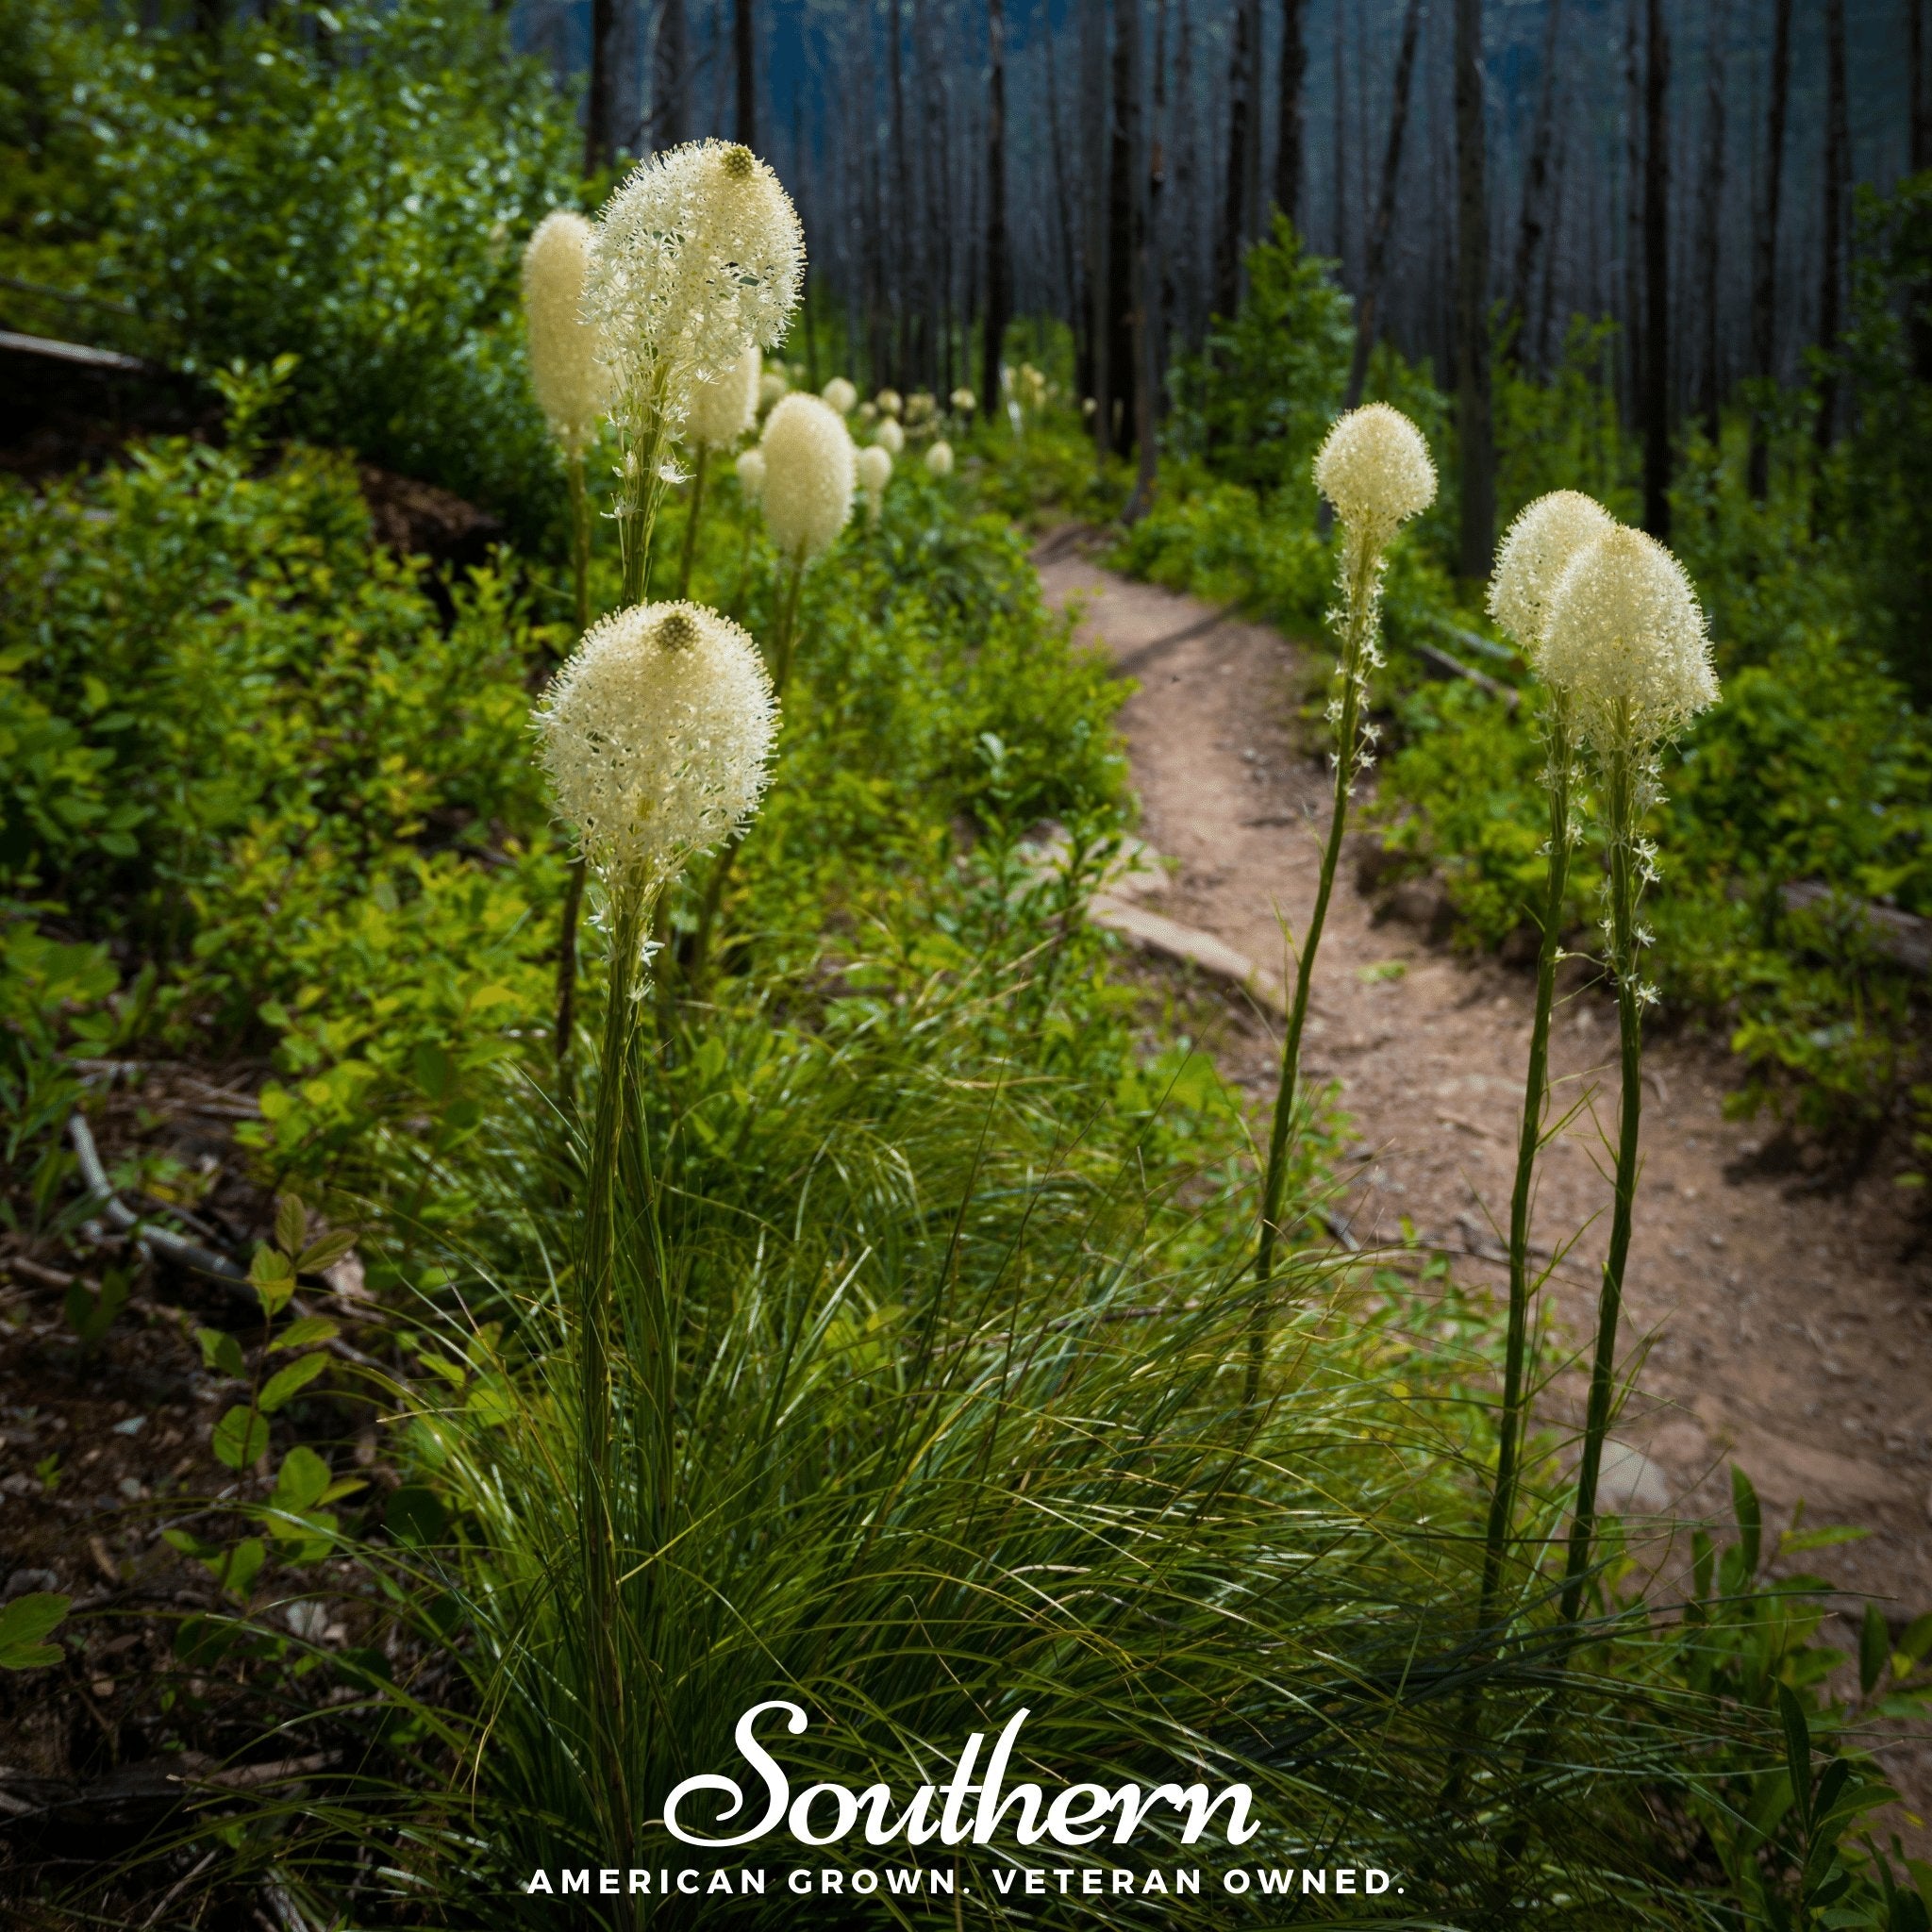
810, 472
565, 372
725, 407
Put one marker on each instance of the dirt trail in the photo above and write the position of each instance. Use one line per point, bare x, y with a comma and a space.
1787, 1332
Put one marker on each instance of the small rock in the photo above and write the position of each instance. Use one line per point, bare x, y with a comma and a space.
1630, 1483
23, 1582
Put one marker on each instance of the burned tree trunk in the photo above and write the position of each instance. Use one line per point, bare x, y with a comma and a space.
744, 41
1475, 431
600, 103
1764, 282
999, 287
1367, 320
1536, 188
1838, 190
1657, 275
670, 76
1094, 146
1294, 132
1711, 219
1124, 192
1241, 103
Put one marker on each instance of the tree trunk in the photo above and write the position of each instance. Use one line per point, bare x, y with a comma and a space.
1920, 157
1124, 194
670, 76
1838, 190
600, 103
906, 226
1634, 337
999, 290
1710, 217
1228, 256
1366, 317
1138, 159
1338, 68
1254, 218
1094, 148
1293, 137
1764, 285
744, 41
1070, 249
1475, 430
1536, 188
1657, 275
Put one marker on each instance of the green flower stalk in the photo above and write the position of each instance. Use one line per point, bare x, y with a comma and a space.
1538, 546
697, 258
721, 411
657, 737
568, 376
1625, 649
805, 485
1374, 468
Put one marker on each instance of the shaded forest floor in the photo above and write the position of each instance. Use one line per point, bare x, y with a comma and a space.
1781, 1327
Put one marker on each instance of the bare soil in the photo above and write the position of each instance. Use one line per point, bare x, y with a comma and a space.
1771, 1323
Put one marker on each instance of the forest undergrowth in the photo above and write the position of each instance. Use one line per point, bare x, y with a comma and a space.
928, 1376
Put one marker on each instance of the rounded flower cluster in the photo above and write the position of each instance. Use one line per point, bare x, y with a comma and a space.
810, 472
565, 371
963, 401
1625, 642
723, 407
657, 737
889, 437
939, 458
840, 394
875, 467
1535, 550
751, 475
697, 256
772, 385
889, 402
1376, 469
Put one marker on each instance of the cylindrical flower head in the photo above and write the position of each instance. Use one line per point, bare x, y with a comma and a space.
725, 407
875, 472
887, 400
697, 256
840, 394
565, 372
809, 475
890, 438
1625, 642
1535, 551
772, 385
1374, 468
751, 473
657, 736
939, 458
963, 401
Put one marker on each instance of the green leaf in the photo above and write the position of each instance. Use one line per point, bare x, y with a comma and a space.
415, 1515
1795, 1542
1874, 1647
202, 1641
223, 1352
436, 1071
300, 1481
190, 1545
1917, 1641
306, 1332
1797, 1751
274, 1279
1744, 1505
325, 1253
244, 1563
286, 1384
24, 1624
492, 1400
292, 1224
240, 1436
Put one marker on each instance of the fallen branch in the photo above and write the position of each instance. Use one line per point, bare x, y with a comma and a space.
150, 1240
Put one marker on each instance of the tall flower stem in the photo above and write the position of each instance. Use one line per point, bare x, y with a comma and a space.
1536, 1088
691, 527
1364, 562
644, 464
573, 891
1619, 784
783, 646
596, 1298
